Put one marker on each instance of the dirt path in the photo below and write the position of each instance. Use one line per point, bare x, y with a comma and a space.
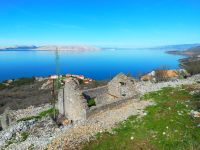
82, 132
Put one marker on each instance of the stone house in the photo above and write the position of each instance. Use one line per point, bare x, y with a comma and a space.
73, 102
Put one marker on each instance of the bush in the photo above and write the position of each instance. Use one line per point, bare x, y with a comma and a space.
91, 102
192, 67
161, 74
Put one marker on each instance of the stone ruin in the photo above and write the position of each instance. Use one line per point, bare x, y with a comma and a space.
6, 118
73, 102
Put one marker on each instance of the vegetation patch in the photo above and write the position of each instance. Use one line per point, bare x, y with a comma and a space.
166, 126
17, 83
192, 67
11, 141
91, 102
40, 115
24, 135
22, 81
2, 86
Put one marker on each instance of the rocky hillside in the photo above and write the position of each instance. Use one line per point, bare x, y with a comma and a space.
191, 52
21, 93
34, 127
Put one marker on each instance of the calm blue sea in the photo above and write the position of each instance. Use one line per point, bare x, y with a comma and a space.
97, 65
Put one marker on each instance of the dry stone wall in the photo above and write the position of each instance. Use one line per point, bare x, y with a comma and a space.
99, 94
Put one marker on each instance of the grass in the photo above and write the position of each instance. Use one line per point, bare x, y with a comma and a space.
9, 142
40, 115
24, 135
167, 125
91, 102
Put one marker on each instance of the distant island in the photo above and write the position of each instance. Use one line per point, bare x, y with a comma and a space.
52, 48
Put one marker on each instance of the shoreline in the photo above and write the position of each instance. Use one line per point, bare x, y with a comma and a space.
191, 56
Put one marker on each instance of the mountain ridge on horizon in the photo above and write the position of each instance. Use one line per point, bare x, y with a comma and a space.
51, 47
176, 47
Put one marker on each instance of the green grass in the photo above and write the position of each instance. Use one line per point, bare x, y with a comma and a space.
167, 126
24, 135
40, 115
91, 102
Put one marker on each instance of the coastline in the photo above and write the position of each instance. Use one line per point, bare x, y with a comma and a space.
191, 61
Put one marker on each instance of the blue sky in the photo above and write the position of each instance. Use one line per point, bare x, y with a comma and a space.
130, 23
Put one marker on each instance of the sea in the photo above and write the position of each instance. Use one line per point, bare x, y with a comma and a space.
98, 65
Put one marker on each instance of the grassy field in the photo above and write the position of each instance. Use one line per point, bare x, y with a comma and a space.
166, 126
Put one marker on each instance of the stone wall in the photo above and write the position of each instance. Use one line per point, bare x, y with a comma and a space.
99, 94
113, 105
10, 117
71, 102
6, 119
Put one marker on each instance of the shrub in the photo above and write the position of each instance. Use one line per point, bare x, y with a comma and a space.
91, 102
192, 67
161, 73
